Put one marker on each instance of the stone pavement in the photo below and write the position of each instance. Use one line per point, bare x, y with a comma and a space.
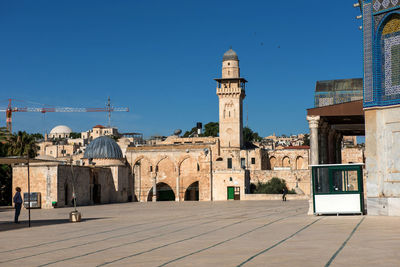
232, 233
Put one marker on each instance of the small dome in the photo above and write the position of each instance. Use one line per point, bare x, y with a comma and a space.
103, 147
230, 55
61, 129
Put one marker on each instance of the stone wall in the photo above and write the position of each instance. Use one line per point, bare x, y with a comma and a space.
382, 152
55, 184
274, 197
299, 178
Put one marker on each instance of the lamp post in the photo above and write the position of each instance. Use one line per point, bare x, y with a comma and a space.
74, 216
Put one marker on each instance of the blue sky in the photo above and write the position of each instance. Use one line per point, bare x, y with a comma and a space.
159, 58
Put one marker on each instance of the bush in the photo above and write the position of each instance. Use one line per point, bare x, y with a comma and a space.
273, 186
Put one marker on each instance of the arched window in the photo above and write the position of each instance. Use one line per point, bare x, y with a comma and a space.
272, 162
286, 162
388, 60
300, 163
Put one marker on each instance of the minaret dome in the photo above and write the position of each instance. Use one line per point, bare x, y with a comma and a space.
230, 65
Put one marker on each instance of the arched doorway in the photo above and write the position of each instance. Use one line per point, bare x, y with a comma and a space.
192, 192
164, 193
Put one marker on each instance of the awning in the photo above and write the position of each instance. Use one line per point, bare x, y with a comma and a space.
346, 118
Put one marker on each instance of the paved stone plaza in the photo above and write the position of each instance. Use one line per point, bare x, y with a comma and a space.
233, 233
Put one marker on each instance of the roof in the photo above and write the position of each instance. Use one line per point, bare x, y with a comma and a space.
230, 55
346, 118
99, 126
14, 160
339, 85
103, 147
297, 147
61, 129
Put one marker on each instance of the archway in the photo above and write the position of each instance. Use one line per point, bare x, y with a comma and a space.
164, 193
286, 162
272, 162
192, 192
299, 163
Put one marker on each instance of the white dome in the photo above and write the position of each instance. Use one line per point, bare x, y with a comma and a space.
61, 129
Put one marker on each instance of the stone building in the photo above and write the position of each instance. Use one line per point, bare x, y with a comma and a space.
104, 178
214, 168
60, 132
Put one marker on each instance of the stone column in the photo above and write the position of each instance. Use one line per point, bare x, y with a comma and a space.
313, 122
331, 146
323, 157
154, 198
178, 195
338, 147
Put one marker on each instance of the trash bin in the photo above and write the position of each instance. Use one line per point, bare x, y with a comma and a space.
75, 216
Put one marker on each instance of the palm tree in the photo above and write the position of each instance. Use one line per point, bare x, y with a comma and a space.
22, 144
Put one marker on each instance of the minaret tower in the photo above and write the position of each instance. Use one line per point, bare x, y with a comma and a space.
231, 92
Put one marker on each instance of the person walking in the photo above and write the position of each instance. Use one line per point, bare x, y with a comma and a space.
17, 203
284, 192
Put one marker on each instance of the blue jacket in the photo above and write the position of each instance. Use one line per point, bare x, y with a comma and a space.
17, 198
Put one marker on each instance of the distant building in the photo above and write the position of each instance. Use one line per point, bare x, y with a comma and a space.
332, 92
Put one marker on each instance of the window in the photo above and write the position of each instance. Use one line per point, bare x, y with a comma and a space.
229, 163
243, 163
253, 160
229, 63
151, 168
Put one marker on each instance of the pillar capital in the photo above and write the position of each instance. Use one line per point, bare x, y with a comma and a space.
313, 121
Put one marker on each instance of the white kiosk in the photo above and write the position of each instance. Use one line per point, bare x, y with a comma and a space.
338, 189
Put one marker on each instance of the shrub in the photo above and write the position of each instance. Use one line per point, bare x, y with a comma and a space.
273, 186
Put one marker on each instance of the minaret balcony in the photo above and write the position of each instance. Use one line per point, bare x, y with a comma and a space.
228, 91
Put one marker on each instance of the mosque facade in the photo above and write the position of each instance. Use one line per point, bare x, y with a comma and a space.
381, 37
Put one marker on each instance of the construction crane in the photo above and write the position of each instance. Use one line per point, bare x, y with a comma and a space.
10, 110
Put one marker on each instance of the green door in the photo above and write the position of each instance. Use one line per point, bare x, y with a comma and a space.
231, 192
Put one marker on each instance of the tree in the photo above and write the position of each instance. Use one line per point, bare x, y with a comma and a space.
211, 129
75, 135
250, 136
22, 144
306, 140
190, 133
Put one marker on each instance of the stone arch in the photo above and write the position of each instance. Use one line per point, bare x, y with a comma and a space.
272, 162
188, 174
165, 168
192, 192
300, 163
285, 161
181, 161
141, 157
164, 193
142, 168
